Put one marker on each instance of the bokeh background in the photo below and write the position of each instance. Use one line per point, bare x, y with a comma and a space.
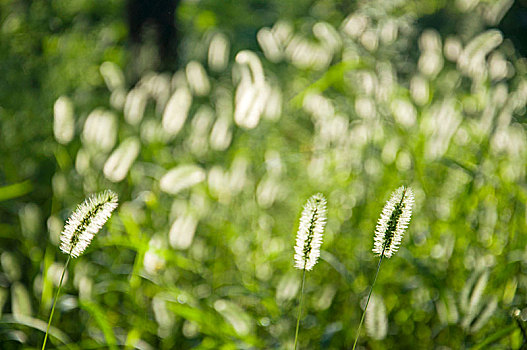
214, 121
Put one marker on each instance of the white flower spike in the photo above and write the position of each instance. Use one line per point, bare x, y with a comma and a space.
309, 236
86, 221
394, 220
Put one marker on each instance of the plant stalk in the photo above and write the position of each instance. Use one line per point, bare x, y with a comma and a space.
368, 301
300, 306
55, 301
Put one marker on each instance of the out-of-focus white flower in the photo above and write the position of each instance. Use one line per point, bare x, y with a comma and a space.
181, 177
63, 121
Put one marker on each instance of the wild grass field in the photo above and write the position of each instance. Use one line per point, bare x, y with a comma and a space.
214, 154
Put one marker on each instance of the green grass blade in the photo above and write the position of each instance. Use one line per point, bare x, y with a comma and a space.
99, 316
15, 190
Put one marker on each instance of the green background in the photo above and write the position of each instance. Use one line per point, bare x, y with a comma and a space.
357, 99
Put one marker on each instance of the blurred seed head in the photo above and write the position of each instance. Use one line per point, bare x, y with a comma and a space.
100, 130
287, 287
389, 31
494, 11
430, 40
164, 318
419, 90
485, 315
365, 107
181, 177
252, 91
370, 40
318, 106
235, 315
238, 177
63, 122
376, 321
306, 54
82, 161
54, 273
197, 78
325, 297
120, 161
20, 300
472, 59
153, 262
134, 107
10, 266
282, 31
218, 56
477, 308
273, 106
197, 141
328, 36
268, 191
269, 44
430, 63
85, 287
158, 87
221, 134
355, 24
440, 123
176, 111
31, 219
190, 329
498, 66
404, 112
182, 231
452, 48
54, 225
113, 75
447, 310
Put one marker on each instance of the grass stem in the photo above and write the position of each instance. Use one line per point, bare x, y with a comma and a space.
368, 301
300, 306
55, 301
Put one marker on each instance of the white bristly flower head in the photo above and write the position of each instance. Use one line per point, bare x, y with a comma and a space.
86, 221
394, 220
309, 235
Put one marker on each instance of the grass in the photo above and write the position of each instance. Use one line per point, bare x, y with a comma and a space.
351, 131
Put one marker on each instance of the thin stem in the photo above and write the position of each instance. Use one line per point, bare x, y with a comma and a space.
300, 306
368, 301
55, 301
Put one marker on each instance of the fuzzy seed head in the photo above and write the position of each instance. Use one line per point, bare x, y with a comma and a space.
86, 221
394, 220
309, 235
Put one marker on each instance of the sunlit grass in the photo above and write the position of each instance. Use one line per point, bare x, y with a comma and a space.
213, 160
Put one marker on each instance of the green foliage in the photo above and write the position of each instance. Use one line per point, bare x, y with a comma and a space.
199, 254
